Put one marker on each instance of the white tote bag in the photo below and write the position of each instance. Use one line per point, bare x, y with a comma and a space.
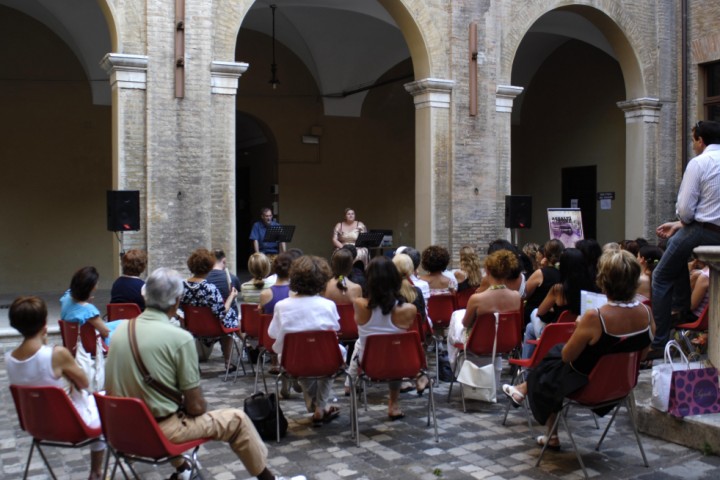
662, 376
94, 368
479, 382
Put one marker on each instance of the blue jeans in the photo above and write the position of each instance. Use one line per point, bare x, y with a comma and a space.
671, 278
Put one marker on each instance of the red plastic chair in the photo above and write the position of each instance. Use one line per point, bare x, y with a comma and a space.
122, 311
552, 334
311, 354
88, 337
609, 384
203, 324
462, 297
249, 323
133, 435
482, 336
699, 325
567, 317
440, 309
348, 326
47, 413
265, 344
390, 357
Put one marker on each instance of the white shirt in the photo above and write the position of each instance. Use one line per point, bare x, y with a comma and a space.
699, 196
300, 314
453, 280
422, 285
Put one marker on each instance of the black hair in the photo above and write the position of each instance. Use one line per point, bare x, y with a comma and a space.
383, 284
28, 315
83, 282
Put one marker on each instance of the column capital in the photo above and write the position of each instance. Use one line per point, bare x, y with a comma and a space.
126, 71
505, 96
431, 92
224, 77
645, 109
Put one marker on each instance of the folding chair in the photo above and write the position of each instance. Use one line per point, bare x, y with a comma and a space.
699, 325
122, 311
202, 323
133, 435
552, 335
482, 335
610, 383
88, 337
313, 354
440, 309
49, 416
390, 357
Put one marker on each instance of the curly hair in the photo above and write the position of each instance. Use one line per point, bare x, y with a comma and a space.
200, 262
134, 262
435, 258
83, 282
470, 264
502, 264
618, 275
259, 267
309, 275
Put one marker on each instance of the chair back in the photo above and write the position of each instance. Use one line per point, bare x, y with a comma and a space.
348, 325
701, 324
567, 316
440, 309
462, 297
613, 377
552, 334
482, 335
122, 311
47, 413
201, 322
88, 336
313, 353
418, 326
250, 319
264, 340
392, 356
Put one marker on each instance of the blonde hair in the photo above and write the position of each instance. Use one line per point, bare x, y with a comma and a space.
259, 267
405, 266
470, 264
618, 275
501, 264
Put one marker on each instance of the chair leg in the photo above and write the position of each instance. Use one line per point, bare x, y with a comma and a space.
607, 428
47, 464
277, 405
635, 431
431, 409
553, 431
29, 459
239, 361
457, 362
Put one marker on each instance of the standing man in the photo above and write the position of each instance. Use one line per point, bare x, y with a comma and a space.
257, 234
169, 355
698, 212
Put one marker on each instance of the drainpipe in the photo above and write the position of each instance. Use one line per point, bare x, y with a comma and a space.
684, 82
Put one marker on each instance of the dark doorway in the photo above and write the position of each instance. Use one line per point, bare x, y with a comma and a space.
579, 184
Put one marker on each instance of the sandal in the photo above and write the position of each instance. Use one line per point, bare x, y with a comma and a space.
552, 443
330, 414
516, 397
421, 390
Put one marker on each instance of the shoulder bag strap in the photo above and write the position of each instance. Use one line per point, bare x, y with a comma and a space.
166, 391
497, 324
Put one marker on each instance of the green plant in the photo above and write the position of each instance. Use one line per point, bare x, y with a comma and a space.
437, 472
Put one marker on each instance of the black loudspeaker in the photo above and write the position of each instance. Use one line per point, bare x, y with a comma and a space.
123, 210
518, 211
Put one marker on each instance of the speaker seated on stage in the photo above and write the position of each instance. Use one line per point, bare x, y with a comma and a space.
127, 287
257, 235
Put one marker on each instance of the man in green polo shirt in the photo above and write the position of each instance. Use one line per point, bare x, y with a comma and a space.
169, 355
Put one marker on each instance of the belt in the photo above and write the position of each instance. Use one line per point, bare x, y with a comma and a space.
710, 226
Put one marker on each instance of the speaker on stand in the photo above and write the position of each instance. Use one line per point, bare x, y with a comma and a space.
518, 213
123, 213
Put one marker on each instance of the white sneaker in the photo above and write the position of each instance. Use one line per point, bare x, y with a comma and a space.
185, 474
297, 477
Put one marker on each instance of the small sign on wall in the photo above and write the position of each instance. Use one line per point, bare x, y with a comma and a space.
606, 199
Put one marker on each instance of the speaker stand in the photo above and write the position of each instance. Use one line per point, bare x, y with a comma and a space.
120, 238
514, 235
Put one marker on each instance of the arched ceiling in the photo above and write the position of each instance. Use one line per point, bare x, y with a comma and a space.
82, 26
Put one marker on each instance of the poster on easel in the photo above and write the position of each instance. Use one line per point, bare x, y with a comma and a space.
565, 225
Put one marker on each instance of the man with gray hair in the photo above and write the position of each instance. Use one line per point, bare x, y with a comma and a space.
169, 355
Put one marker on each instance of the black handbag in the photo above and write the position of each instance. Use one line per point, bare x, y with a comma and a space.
260, 408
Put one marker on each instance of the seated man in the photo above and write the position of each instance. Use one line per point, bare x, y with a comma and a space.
169, 355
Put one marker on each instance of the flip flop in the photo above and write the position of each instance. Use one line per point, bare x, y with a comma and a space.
396, 417
512, 392
331, 414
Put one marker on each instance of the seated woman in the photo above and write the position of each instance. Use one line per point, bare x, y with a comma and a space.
383, 311
517, 279
127, 287
340, 289
499, 267
622, 325
347, 232
542, 280
648, 256
259, 267
435, 260
75, 304
34, 363
199, 293
307, 310
269, 297
564, 295
469, 275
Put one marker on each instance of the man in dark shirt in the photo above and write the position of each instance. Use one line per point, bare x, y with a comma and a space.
257, 234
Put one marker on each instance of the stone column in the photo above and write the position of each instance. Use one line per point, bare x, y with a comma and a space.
641, 164
504, 98
224, 85
711, 256
128, 80
432, 160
